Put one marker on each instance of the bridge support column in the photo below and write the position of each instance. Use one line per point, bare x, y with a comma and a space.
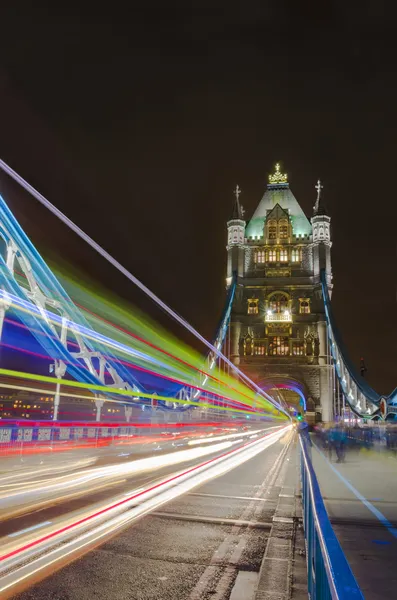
326, 395
98, 403
127, 412
322, 338
235, 330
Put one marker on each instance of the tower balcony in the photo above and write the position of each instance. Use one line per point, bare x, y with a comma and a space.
278, 317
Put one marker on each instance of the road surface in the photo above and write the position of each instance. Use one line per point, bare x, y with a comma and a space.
208, 543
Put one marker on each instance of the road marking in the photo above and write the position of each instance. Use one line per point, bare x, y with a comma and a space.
229, 546
230, 497
29, 529
283, 520
214, 520
378, 514
245, 586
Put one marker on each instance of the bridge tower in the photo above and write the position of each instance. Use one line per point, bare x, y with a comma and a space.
277, 329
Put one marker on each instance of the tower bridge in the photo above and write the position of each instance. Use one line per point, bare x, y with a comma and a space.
278, 336
281, 327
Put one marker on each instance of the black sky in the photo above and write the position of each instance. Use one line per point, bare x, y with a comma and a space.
138, 125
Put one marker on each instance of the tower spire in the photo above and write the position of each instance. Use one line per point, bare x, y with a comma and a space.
319, 208
238, 210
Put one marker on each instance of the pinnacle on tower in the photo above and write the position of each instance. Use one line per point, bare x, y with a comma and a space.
278, 178
238, 210
319, 207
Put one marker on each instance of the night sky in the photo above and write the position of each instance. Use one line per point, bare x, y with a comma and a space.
139, 125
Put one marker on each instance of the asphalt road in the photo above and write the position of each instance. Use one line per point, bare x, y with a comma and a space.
200, 546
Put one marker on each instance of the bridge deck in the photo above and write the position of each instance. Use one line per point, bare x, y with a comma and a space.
233, 538
361, 500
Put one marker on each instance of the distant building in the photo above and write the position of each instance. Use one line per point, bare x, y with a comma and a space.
21, 404
278, 328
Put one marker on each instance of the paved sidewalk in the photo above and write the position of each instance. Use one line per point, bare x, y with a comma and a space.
361, 499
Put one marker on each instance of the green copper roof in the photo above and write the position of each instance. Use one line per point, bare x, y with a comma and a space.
282, 195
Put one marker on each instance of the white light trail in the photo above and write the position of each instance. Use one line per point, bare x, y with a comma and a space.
36, 194
34, 557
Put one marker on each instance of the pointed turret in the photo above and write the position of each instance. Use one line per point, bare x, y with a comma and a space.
238, 211
235, 239
322, 243
319, 207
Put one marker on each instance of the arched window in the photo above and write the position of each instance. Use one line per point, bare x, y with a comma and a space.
283, 255
272, 255
283, 230
272, 230
278, 302
296, 255
259, 349
260, 256
248, 346
298, 348
304, 306
278, 346
253, 306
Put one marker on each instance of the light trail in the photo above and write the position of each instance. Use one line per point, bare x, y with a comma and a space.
93, 335
32, 493
103, 388
36, 555
230, 401
36, 194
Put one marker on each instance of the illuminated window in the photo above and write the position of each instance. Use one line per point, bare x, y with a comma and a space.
278, 303
296, 255
272, 256
260, 256
283, 229
283, 255
298, 349
248, 346
259, 349
278, 346
272, 231
253, 308
304, 306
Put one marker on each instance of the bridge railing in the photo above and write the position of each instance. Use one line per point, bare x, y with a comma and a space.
329, 573
38, 437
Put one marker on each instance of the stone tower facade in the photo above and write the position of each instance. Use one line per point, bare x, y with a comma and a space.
278, 328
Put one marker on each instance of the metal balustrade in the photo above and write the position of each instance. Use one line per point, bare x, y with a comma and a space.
37, 437
329, 573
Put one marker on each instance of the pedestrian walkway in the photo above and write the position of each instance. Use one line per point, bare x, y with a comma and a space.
361, 499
